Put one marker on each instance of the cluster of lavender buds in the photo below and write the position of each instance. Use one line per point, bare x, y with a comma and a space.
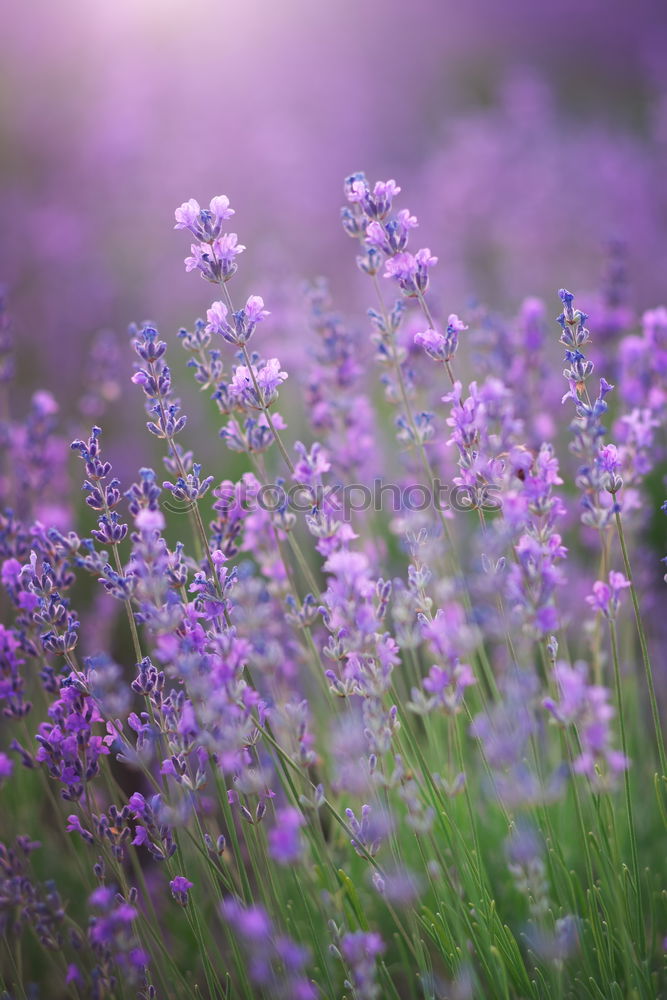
275, 963
359, 952
586, 706
271, 715
241, 325
597, 477
384, 236
68, 745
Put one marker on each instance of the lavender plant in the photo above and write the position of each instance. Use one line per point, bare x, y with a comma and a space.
363, 719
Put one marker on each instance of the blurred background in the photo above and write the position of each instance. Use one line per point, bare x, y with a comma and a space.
529, 138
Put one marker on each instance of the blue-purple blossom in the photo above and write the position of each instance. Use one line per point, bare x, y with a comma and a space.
25, 902
180, 887
205, 224
411, 271
606, 597
71, 745
113, 939
360, 952
285, 841
446, 687
275, 962
439, 346
587, 707
6, 767
268, 376
241, 325
597, 477
216, 261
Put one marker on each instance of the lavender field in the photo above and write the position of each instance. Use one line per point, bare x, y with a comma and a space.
332, 650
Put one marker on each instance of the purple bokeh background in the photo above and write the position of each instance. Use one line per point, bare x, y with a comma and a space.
524, 135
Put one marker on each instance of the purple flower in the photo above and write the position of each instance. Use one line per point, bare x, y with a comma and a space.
150, 520
74, 826
360, 951
254, 309
138, 804
11, 677
206, 224
216, 260
587, 707
180, 887
376, 204
6, 767
312, 465
227, 247
68, 744
356, 188
268, 376
199, 258
606, 597
359, 945
399, 885
151, 830
285, 842
597, 474
370, 830
438, 346
219, 206
113, 940
411, 270
432, 342
275, 962
11, 569
376, 235
251, 923
186, 214
73, 975
141, 838
102, 896
390, 237
243, 322
609, 464
26, 903
446, 686
217, 317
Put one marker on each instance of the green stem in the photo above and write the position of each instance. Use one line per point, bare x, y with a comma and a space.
626, 785
644, 649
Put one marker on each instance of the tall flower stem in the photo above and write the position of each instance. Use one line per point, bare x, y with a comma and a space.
127, 602
430, 478
428, 316
193, 510
626, 785
258, 392
644, 649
